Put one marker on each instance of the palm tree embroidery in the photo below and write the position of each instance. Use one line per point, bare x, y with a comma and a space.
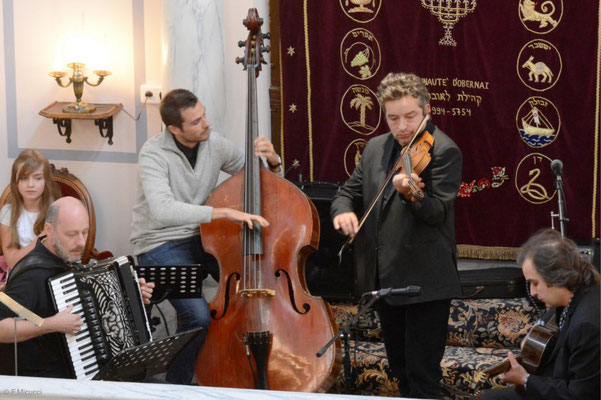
362, 103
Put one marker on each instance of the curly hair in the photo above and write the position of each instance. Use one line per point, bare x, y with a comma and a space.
397, 85
558, 261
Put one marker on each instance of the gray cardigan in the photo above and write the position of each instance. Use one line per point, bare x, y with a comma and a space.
170, 194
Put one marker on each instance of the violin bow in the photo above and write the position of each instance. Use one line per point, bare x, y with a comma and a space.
392, 172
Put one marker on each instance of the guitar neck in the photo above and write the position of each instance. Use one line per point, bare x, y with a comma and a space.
501, 367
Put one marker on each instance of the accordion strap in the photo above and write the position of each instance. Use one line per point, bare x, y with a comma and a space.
33, 261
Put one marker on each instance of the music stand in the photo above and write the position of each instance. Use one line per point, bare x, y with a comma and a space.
140, 362
173, 281
22, 314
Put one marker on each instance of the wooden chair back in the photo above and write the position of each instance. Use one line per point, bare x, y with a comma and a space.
69, 185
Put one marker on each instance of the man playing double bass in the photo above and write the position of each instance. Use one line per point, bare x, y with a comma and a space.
178, 169
569, 287
406, 239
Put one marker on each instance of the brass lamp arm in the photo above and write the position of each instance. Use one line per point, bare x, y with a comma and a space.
100, 79
60, 82
101, 74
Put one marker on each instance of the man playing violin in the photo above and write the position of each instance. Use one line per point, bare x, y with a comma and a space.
178, 170
409, 237
569, 286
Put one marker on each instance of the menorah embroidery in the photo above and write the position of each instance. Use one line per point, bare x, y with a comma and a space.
448, 13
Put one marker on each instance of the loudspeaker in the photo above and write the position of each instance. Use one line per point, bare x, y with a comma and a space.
590, 251
595, 258
325, 276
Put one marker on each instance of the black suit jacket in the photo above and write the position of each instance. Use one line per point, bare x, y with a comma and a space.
404, 243
572, 370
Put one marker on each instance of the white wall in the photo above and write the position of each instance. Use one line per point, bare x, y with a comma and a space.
109, 172
235, 11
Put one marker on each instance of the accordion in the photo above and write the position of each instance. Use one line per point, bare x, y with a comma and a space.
108, 298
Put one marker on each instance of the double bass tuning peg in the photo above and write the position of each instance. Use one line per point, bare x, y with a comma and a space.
265, 49
239, 60
241, 43
266, 35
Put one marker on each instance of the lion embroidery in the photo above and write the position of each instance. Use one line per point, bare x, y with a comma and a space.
544, 17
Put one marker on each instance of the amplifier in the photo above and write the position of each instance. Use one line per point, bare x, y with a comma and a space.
591, 252
324, 275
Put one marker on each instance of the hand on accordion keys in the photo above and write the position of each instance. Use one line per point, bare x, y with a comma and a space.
63, 322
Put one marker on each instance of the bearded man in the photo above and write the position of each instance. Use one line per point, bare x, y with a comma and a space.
40, 348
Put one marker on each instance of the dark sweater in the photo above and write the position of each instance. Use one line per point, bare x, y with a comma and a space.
42, 356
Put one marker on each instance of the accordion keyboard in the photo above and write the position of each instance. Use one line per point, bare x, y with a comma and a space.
84, 360
109, 300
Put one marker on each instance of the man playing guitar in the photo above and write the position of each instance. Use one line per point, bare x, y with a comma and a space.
569, 286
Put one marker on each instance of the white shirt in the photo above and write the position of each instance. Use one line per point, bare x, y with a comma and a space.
25, 224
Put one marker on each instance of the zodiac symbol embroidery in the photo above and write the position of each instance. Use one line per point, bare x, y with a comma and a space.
536, 69
360, 59
544, 17
358, 153
353, 154
362, 103
360, 4
535, 190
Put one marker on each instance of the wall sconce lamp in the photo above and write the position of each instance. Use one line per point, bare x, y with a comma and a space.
78, 79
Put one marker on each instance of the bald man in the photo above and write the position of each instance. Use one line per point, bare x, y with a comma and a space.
40, 348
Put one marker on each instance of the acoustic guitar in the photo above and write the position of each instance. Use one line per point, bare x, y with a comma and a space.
535, 349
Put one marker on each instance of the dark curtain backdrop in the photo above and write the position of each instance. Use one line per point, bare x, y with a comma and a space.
518, 88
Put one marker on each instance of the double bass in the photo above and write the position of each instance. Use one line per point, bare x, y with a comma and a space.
265, 327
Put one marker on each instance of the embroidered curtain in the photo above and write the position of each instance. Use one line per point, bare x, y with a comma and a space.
514, 83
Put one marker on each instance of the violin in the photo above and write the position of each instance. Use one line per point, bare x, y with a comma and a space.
414, 158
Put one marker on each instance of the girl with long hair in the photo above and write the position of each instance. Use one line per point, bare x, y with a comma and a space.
32, 189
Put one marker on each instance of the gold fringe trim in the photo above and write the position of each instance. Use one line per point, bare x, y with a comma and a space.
487, 253
282, 153
308, 65
596, 155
